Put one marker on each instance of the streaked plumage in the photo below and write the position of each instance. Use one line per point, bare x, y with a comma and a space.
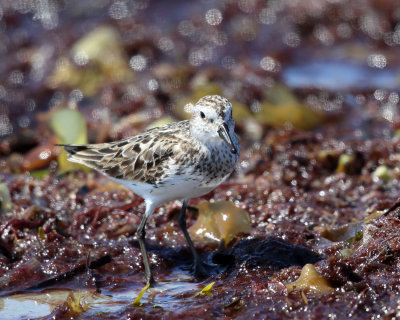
177, 161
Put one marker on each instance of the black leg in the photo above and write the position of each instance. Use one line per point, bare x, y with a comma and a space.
141, 233
199, 269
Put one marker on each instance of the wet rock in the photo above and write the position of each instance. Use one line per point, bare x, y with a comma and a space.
40, 157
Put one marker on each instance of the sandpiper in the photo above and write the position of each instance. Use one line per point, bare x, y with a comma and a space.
178, 161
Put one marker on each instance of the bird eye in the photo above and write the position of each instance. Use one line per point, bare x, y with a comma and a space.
202, 114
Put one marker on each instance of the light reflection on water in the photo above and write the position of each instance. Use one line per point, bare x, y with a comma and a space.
15, 309
339, 75
167, 295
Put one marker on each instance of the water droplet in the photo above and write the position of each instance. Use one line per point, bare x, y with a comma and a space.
269, 64
138, 62
6, 127
153, 85
291, 39
228, 62
166, 44
76, 95
81, 58
118, 10
16, 77
377, 61
186, 28
267, 16
380, 94
247, 6
213, 17
140, 4
323, 34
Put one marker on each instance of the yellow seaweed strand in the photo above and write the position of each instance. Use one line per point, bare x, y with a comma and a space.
137, 303
206, 290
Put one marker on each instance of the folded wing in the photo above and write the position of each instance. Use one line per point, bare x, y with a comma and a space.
141, 158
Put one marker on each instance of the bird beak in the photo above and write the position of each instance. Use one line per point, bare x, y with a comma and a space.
223, 132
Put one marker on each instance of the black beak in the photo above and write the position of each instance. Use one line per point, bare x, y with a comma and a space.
223, 132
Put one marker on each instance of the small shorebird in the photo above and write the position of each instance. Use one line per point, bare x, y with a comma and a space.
181, 160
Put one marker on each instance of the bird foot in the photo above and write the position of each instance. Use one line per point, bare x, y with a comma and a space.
150, 282
202, 270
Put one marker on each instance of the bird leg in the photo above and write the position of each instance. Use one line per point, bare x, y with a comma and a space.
140, 234
199, 268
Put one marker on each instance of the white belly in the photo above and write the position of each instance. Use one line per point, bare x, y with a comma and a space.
177, 188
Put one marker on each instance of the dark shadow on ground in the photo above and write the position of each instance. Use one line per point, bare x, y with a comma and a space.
270, 252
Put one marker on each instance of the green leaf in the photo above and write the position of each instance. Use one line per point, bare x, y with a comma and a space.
5, 198
383, 173
40, 174
69, 125
70, 128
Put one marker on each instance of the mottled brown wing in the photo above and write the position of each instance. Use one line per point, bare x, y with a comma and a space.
146, 161
140, 158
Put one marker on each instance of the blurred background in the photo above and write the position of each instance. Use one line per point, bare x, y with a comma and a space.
123, 66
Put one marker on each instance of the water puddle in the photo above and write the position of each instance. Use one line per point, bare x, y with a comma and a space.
340, 75
167, 295
16, 307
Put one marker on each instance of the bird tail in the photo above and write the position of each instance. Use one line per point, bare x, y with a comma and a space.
83, 154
